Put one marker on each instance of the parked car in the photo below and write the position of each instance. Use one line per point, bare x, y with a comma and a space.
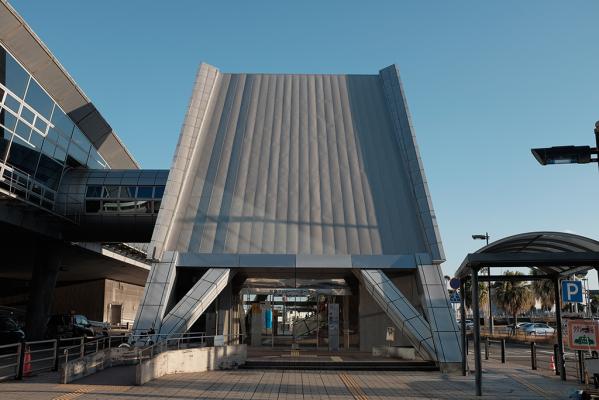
10, 332
67, 326
538, 328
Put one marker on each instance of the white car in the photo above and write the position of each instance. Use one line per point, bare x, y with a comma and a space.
538, 328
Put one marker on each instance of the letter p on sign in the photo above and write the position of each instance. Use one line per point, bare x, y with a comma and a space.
572, 291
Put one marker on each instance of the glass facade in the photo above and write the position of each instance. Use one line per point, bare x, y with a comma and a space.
135, 199
38, 140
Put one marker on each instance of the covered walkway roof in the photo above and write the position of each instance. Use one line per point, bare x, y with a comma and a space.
551, 252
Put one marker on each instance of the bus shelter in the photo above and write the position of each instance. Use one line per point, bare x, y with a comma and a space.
556, 255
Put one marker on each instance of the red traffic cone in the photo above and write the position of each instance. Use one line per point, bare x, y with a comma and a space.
27, 363
552, 364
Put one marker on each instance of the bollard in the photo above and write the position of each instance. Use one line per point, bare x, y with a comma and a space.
82, 348
55, 367
66, 360
533, 355
581, 366
486, 348
21, 350
556, 358
503, 351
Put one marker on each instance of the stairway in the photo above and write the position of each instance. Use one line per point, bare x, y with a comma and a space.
299, 364
309, 324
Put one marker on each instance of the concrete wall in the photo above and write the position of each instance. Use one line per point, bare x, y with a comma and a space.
85, 298
94, 299
124, 294
191, 360
88, 365
374, 321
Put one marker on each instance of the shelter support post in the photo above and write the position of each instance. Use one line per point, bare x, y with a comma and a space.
560, 338
476, 316
463, 327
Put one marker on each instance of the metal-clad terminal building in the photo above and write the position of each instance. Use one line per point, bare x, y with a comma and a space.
309, 186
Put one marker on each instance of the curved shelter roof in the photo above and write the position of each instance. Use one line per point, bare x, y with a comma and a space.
551, 252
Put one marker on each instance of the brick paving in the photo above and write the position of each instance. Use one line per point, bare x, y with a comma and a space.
500, 381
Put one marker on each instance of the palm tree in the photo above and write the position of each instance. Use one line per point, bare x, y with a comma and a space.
543, 290
514, 297
483, 294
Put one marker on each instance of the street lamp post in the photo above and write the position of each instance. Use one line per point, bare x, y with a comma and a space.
569, 154
486, 238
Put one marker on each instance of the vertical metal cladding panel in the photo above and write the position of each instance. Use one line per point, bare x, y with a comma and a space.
292, 164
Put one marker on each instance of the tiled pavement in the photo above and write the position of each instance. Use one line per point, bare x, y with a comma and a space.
114, 384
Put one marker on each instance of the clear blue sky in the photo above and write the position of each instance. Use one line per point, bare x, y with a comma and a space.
485, 82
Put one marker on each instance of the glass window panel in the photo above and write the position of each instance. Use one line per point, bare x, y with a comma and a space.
144, 192
158, 192
7, 119
92, 206
5, 137
60, 154
12, 75
80, 139
111, 192
110, 206
78, 154
128, 206
94, 191
48, 148
62, 123
23, 156
52, 135
23, 130
62, 141
144, 206
41, 125
27, 115
36, 139
49, 172
128, 191
71, 162
12, 103
38, 99
94, 161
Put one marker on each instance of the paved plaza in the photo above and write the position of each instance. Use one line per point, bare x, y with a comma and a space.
114, 383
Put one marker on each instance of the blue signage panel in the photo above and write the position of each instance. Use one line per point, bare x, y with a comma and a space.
455, 297
572, 291
454, 283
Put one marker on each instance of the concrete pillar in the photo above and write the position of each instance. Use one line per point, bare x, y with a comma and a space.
43, 282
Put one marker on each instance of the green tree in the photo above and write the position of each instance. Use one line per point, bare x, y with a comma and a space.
595, 303
514, 297
483, 294
543, 290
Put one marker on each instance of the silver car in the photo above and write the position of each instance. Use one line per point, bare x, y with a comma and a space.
538, 328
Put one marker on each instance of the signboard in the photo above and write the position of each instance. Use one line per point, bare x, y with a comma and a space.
390, 337
583, 334
572, 291
333, 319
454, 283
455, 297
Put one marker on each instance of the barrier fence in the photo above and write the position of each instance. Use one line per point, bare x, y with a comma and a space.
23, 359
539, 357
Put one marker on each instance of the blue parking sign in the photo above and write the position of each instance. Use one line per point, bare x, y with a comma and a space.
572, 291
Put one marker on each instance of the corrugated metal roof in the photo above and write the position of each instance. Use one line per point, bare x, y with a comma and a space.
297, 164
